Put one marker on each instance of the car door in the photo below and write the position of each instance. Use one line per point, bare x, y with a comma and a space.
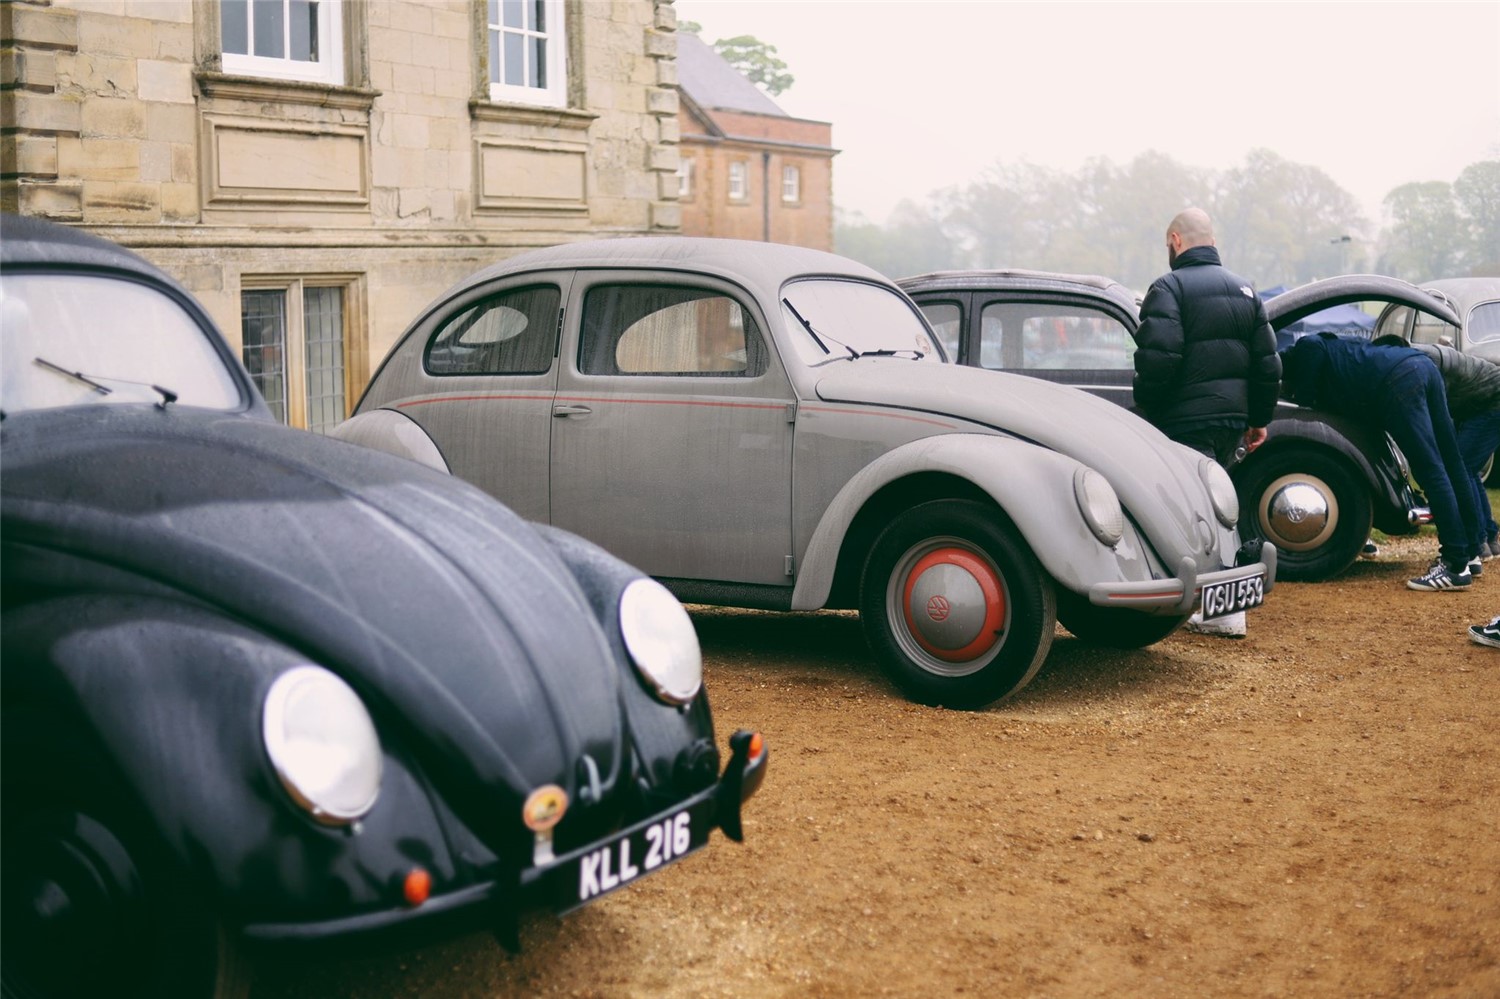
672, 429
478, 375
1301, 302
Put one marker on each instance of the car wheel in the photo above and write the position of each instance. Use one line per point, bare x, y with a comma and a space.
1311, 506
89, 907
955, 606
1113, 627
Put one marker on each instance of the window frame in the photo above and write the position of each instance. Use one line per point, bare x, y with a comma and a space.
791, 184
555, 93
328, 69
738, 181
294, 343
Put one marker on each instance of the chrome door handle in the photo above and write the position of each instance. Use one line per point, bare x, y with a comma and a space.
571, 411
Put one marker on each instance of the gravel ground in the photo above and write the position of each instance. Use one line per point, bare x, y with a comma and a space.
1309, 811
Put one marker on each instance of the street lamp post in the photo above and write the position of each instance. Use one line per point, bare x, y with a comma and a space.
1342, 242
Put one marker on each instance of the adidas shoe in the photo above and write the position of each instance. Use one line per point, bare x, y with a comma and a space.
1228, 626
1370, 550
1490, 549
1440, 577
1476, 566
1486, 634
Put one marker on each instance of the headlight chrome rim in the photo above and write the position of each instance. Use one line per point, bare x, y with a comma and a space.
1099, 505
1221, 492
322, 744
661, 641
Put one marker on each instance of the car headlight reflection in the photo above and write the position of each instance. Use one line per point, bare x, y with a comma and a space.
322, 744
661, 641
1220, 492
1099, 505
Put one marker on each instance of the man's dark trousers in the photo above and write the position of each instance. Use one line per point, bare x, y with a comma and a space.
1478, 438
1415, 414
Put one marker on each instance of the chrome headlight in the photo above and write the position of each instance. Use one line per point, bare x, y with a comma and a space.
1220, 492
1099, 505
661, 641
323, 744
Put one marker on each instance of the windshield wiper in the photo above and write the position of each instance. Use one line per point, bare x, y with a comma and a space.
167, 395
892, 352
814, 333
79, 375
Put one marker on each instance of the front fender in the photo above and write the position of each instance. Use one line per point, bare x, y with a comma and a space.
1034, 486
1366, 448
170, 694
392, 432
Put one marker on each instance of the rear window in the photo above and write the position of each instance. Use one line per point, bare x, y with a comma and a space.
94, 340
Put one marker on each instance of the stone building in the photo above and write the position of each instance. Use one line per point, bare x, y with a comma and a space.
316, 171
749, 170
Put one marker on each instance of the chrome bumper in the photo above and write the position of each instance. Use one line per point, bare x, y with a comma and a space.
1181, 594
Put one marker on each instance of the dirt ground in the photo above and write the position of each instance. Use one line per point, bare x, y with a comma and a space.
1313, 810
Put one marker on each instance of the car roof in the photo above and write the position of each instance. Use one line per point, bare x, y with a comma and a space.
33, 242
1019, 278
760, 266
1464, 293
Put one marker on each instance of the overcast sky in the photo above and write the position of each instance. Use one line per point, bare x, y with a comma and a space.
925, 94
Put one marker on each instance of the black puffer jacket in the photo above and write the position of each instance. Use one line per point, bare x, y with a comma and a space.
1206, 355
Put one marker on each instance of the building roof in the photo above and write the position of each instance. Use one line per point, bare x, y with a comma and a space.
712, 83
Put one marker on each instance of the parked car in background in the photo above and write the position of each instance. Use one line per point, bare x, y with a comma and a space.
1313, 489
1475, 301
261, 687
768, 426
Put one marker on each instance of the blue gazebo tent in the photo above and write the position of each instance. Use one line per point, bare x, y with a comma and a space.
1338, 319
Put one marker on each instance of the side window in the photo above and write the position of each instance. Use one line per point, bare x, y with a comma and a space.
1394, 320
283, 39
1428, 328
1484, 323
944, 317
1019, 336
513, 333
652, 330
527, 52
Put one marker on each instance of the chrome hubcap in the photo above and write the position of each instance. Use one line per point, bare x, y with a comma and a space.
1299, 512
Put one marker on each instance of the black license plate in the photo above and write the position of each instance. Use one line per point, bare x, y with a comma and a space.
598, 869
1232, 596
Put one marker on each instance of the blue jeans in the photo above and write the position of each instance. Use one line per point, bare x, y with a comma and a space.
1414, 411
1478, 438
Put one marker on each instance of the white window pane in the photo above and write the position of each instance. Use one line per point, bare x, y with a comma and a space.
263, 332
234, 25
270, 28
323, 331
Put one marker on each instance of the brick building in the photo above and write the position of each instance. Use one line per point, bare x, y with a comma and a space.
316, 172
748, 169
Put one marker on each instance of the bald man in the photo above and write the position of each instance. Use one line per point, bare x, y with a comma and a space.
1206, 368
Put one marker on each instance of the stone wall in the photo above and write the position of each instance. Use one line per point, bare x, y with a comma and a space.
394, 183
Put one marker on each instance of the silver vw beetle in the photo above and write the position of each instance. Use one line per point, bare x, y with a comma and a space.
768, 426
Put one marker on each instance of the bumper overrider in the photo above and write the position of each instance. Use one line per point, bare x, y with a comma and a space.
1251, 577
556, 883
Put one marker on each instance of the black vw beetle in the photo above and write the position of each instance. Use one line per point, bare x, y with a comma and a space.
261, 687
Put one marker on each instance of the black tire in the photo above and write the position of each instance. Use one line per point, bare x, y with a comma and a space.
965, 554
90, 903
1113, 627
1311, 505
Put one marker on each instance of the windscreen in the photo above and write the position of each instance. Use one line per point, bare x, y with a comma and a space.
90, 340
830, 319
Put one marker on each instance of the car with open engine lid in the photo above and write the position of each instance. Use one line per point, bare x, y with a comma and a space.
262, 688
770, 426
1314, 488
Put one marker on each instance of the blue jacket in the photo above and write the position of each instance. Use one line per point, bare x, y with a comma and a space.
1340, 374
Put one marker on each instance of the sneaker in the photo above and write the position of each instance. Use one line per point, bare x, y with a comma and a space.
1228, 626
1440, 577
1476, 567
1486, 634
1370, 550
1490, 549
